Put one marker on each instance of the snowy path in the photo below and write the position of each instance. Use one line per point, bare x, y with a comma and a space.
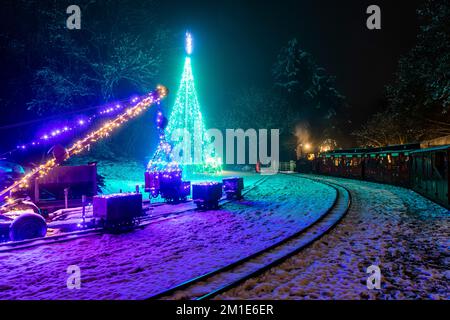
404, 234
140, 263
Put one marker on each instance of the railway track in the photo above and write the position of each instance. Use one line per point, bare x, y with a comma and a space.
144, 221
211, 284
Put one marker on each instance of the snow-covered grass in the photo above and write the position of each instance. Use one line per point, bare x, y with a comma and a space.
138, 264
406, 235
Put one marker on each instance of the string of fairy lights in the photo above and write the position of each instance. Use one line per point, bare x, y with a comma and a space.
75, 125
162, 159
186, 115
186, 118
83, 144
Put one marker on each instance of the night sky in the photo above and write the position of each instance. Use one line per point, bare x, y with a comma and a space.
236, 43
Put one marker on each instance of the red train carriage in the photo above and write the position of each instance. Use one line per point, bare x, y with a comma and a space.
391, 167
349, 164
423, 170
321, 164
352, 165
385, 165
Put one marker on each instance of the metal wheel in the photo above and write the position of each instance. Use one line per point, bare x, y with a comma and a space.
27, 226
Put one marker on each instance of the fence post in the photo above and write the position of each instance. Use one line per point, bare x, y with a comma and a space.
66, 197
36, 190
83, 203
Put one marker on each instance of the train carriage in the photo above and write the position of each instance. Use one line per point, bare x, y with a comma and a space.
321, 164
391, 167
339, 164
430, 173
424, 170
353, 165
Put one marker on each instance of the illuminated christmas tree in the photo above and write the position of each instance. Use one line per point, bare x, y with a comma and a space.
186, 130
183, 142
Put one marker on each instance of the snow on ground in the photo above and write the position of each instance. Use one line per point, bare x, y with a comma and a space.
406, 235
138, 264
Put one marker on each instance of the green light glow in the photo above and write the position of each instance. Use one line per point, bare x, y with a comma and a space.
186, 115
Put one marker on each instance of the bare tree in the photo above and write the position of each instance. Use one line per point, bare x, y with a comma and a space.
118, 53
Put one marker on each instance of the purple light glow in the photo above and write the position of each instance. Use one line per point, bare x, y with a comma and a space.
77, 124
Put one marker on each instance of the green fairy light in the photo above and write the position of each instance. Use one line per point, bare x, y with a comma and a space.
187, 117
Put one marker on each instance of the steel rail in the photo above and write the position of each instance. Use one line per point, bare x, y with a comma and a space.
74, 235
231, 268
